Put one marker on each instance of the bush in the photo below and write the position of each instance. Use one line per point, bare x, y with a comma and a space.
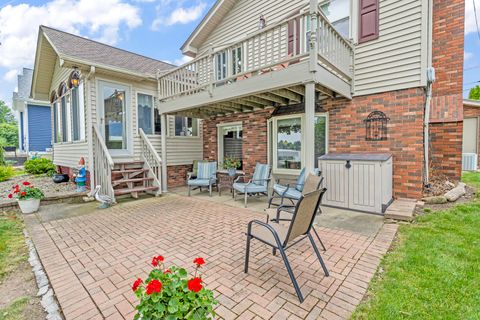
39, 166
2, 155
6, 173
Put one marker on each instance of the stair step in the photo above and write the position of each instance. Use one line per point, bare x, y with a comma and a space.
129, 170
119, 192
133, 180
129, 162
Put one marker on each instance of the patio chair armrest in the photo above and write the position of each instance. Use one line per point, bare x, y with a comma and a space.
265, 225
241, 178
189, 175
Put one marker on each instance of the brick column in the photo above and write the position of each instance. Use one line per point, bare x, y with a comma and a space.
446, 119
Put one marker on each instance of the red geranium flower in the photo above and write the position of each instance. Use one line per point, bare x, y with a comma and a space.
136, 284
199, 261
26, 183
195, 284
167, 271
156, 260
16, 189
154, 286
23, 193
10, 196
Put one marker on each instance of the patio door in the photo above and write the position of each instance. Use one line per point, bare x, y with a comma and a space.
114, 117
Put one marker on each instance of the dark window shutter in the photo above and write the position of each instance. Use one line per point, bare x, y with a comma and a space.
294, 37
368, 20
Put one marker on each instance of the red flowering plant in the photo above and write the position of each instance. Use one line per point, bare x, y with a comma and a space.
25, 191
173, 294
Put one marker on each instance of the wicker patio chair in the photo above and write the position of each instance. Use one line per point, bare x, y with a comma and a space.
281, 238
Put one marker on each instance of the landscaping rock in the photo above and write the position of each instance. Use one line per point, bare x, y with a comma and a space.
456, 193
42, 291
435, 200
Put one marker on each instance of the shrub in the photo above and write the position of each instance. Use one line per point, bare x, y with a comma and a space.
26, 191
39, 166
172, 294
6, 173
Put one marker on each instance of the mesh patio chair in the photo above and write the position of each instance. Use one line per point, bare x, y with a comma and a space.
281, 238
284, 212
206, 177
287, 191
255, 186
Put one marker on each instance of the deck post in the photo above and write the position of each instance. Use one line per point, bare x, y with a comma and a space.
314, 12
309, 132
163, 123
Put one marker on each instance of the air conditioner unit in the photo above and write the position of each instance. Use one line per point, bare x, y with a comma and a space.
469, 161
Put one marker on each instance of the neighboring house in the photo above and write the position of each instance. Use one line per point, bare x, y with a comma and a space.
471, 134
284, 81
34, 125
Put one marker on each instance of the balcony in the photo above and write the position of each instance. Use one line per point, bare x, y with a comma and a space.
264, 69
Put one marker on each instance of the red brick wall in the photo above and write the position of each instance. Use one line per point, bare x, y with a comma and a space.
177, 175
254, 126
69, 171
405, 133
447, 107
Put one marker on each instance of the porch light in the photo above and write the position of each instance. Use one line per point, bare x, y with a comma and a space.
262, 23
75, 78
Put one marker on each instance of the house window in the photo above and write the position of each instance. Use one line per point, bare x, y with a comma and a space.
148, 117
237, 60
338, 13
186, 127
289, 143
68, 114
221, 65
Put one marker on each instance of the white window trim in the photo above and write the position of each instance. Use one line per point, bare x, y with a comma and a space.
152, 115
220, 146
272, 149
173, 134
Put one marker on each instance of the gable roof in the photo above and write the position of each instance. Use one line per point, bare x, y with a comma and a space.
68, 45
208, 24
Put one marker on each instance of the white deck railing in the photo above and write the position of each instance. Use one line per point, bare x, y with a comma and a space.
152, 161
269, 49
102, 164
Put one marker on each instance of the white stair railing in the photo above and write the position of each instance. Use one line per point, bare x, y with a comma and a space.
152, 161
102, 164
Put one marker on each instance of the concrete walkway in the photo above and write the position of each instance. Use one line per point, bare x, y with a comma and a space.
93, 256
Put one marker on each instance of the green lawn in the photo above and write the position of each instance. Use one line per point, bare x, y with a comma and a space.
12, 244
15, 311
434, 270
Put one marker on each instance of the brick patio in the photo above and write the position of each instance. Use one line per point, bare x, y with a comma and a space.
93, 259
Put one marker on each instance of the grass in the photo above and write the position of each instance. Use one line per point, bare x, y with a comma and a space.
12, 245
15, 311
434, 270
472, 178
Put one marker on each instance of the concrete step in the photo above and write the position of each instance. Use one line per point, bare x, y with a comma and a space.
134, 191
402, 210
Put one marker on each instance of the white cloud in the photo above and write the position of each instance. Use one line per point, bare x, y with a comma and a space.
100, 20
10, 76
178, 15
182, 60
470, 24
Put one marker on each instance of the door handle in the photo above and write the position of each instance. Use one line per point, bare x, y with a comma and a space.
348, 165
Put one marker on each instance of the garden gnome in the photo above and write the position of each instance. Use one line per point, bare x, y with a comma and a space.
82, 176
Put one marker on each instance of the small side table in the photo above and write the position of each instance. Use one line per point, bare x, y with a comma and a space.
224, 180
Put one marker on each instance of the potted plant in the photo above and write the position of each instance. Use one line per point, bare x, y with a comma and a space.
172, 294
28, 197
231, 164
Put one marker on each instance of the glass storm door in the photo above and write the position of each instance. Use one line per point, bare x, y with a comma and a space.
114, 117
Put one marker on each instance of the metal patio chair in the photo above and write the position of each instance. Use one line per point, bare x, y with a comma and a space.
281, 238
291, 193
257, 185
206, 177
284, 212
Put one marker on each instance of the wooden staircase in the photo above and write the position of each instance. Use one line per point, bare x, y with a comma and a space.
132, 178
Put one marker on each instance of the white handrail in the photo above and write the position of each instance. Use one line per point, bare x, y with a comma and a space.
103, 164
152, 161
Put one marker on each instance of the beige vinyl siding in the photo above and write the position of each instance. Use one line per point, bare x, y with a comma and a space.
397, 59
243, 19
68, 154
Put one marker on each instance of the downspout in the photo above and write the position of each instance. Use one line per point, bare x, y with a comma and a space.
428, 98
88, 108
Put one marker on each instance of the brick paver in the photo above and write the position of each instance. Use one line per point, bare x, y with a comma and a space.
92, 261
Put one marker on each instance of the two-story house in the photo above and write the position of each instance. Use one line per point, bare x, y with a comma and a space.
284, 81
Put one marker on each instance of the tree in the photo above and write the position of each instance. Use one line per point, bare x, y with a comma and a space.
474, 93
8, 126
6, 114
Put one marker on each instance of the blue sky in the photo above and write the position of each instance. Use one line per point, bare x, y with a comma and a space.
155, 28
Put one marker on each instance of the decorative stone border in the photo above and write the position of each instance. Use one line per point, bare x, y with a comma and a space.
48, 300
